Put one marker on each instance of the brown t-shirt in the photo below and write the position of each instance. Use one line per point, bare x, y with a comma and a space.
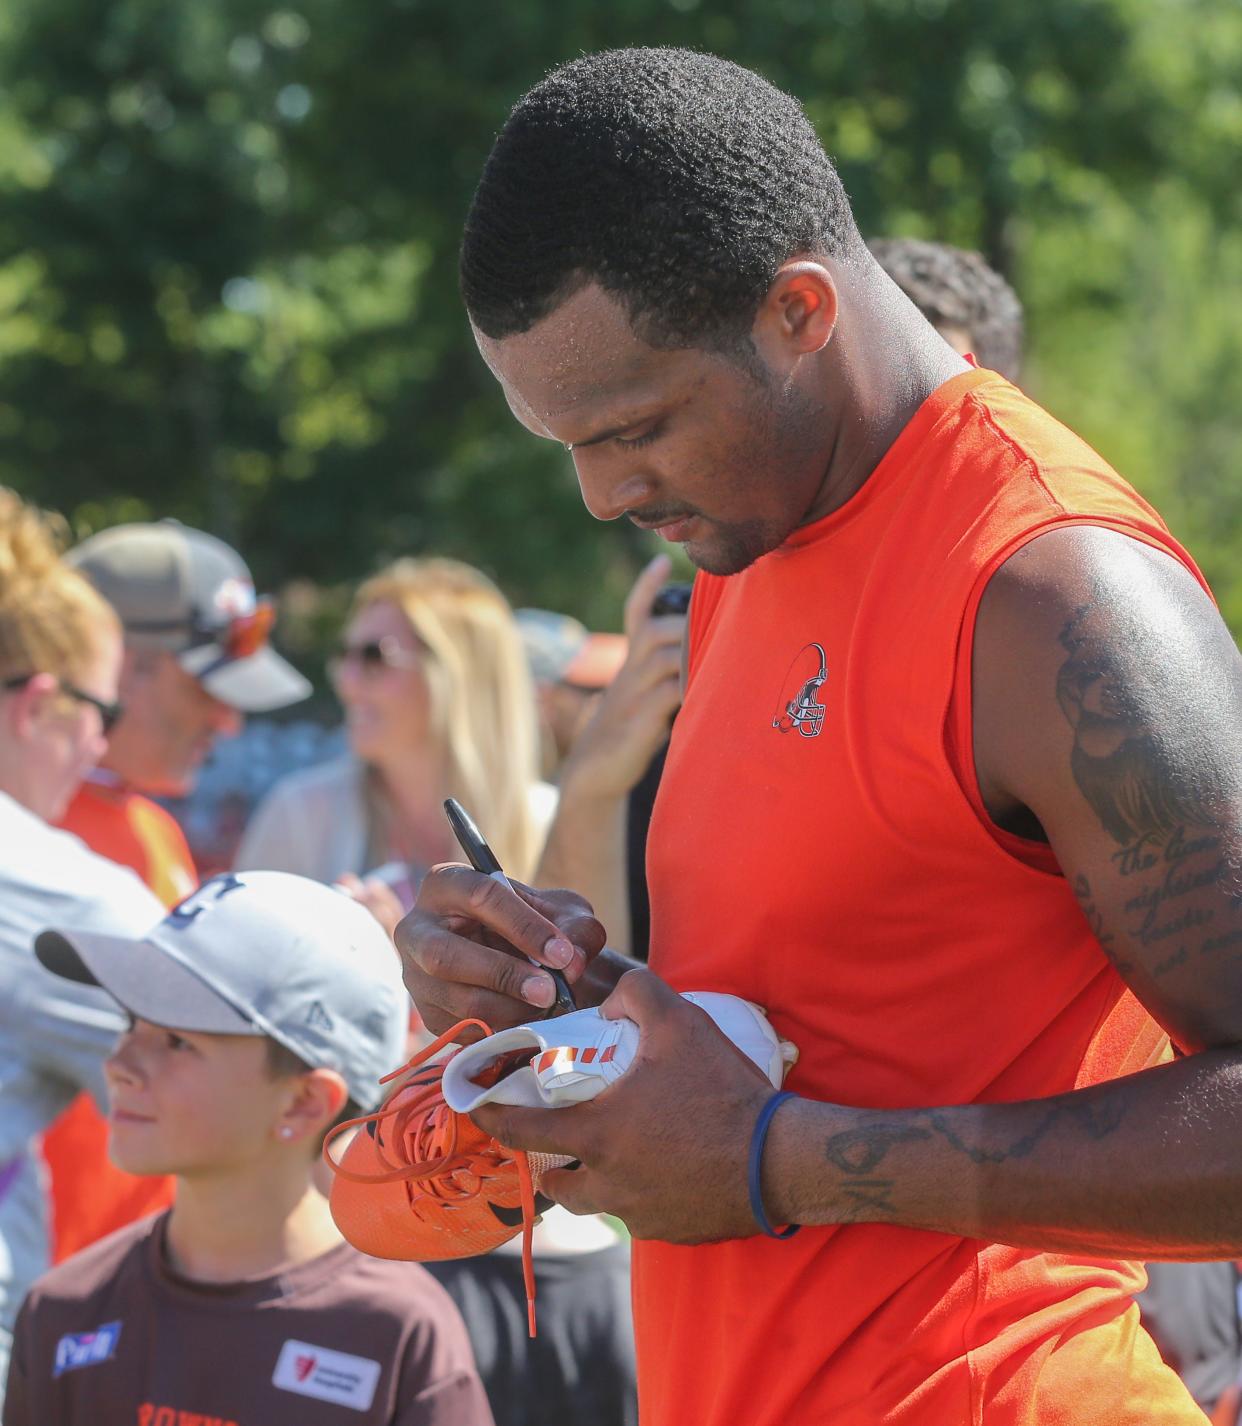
114, 1337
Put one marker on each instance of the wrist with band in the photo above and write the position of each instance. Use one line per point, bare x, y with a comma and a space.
754, 1174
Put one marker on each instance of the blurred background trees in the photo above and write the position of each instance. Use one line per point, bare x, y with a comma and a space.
228, 248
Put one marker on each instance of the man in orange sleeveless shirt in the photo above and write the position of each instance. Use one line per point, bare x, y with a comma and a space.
954, 794
196, 660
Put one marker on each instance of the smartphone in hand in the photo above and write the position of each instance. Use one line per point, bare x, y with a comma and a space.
672, 599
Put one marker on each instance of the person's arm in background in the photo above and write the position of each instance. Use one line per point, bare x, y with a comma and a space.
586, 846
66, 1030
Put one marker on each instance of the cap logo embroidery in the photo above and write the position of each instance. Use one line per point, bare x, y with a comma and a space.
317, 1018
189, 910
235, 598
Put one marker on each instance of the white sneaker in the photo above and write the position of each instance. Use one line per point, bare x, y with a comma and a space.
578, 1055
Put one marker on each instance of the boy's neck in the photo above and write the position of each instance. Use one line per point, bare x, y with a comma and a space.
226, 1229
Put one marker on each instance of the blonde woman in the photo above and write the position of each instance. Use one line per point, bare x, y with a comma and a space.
60, 655
438, 702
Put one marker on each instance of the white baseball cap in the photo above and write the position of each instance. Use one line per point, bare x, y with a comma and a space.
259, 953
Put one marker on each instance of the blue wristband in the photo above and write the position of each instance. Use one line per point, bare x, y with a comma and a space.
755, 1170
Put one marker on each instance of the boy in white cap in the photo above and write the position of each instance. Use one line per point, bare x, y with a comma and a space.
263, 1009
197, 660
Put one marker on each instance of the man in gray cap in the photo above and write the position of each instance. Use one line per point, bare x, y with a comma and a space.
197, 658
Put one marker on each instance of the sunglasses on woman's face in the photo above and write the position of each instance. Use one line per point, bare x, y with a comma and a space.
109, 713
372, 656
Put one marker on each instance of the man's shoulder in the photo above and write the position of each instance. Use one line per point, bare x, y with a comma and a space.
94, 1272
1031, 437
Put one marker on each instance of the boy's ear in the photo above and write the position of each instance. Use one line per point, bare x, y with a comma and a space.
318, 1096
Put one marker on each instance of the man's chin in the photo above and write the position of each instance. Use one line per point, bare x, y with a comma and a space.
730, 552
176, 781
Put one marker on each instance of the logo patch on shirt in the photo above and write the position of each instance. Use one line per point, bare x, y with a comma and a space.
86, 1349
327, 1375
798, 706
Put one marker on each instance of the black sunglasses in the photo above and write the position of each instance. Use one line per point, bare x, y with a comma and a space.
109, 713
373, 655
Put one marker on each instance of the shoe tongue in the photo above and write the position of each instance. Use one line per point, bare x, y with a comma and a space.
502, 1067
471, 1077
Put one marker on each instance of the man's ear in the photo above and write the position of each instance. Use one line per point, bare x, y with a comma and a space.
799, 313
317, 1098
131, 662
29, 703
138, 664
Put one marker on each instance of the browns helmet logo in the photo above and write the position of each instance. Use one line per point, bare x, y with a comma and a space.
799, 705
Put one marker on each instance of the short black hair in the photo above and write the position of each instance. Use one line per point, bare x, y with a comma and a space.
956, 288
678, 181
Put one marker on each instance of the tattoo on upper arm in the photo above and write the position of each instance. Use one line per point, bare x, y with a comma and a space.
1095, 919
1123, 769
1162, 809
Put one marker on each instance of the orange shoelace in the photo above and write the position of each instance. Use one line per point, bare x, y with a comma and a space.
422, 1148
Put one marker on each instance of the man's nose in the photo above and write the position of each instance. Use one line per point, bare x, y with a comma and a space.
608, 490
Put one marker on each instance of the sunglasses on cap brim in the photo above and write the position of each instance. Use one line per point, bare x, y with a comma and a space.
242, 637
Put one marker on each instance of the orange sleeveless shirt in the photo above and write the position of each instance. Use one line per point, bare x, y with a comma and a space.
815, 849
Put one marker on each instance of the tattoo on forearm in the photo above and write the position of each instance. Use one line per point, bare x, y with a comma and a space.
1093, 1117
868, 1199
858, 1153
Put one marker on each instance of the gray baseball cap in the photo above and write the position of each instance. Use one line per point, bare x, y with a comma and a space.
561, 649
259, 953
187, 592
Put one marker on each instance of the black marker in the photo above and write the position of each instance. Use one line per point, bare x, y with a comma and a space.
483, 859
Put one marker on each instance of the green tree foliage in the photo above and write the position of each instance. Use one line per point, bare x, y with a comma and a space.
229, 232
